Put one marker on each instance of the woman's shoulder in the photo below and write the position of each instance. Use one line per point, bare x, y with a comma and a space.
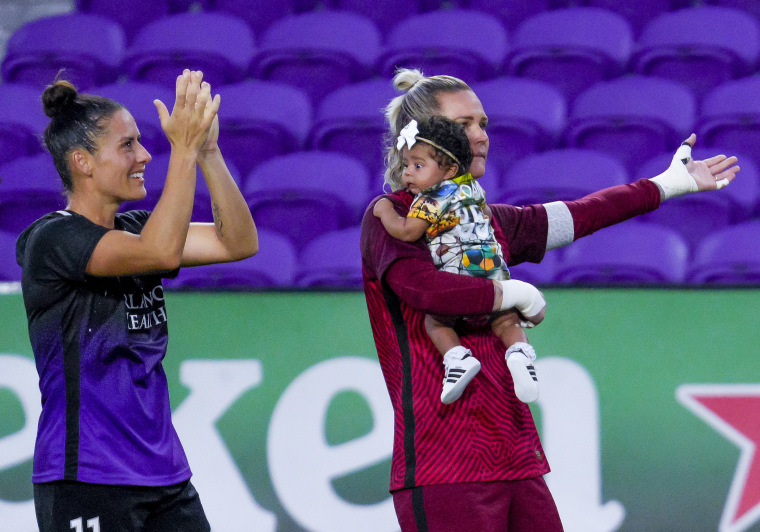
401, 199
132, 221
49, 224
46, 232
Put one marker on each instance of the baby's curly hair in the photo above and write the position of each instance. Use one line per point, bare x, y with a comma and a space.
450, 135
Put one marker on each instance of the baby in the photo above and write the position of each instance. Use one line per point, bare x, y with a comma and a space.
451, 212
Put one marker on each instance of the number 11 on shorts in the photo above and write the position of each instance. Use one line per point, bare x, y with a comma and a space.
92, 524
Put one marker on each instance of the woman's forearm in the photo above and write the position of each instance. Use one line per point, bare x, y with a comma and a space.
166, 229
418, 283
570, 220
233, 222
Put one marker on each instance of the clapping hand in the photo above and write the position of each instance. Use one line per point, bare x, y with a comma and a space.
192, 119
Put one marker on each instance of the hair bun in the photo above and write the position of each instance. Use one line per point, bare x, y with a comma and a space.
407, 78
58, 97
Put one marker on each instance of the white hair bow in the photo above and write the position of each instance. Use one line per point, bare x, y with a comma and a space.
408, 135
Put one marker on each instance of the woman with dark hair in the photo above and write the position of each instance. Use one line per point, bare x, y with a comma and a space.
478, 464
107, 456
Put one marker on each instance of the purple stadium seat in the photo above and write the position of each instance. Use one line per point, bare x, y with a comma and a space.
258, 14
730, 256
441, 42
637, 13
509, 12
561, 175
677, 46
220, 45
88, 47
155, 178
332, 260
385, 15
318, 51
537, 274
22, 121
558, 47
634, 118
305, 194
10, 271
274, 266
131, 18
350, 120
138, 98
696, 215
629, 253
30, 188
750, 6
524, 116
730, 116
260, 120
181, 6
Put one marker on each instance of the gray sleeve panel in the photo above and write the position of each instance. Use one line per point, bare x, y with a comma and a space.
561, 228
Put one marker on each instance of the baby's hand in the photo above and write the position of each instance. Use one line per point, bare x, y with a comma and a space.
381, 207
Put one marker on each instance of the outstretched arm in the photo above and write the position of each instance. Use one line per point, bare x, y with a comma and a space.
567, 221
401, 227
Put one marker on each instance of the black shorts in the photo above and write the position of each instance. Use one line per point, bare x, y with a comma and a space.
65, 506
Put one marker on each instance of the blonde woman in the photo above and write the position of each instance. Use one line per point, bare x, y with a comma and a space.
478, 464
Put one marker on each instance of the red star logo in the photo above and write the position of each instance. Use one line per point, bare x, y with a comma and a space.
734, 411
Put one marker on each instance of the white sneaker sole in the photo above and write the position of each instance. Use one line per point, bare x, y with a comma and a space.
524, 377
453, 390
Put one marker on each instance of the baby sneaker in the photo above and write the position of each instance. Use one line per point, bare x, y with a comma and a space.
520, 357
461, 367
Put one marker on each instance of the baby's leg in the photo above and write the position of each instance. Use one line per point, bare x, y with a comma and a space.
460, 366
443, 335
520, 354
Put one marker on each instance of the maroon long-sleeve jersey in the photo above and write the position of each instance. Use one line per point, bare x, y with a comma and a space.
488, 434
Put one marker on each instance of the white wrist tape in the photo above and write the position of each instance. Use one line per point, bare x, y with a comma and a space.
676, 180
523, 296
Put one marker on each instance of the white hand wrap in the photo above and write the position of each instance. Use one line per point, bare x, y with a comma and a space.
676, 180
523, 296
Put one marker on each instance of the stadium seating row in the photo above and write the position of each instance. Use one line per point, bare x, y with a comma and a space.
305, 194
616, 100
260, 14
319, 51
644, 253
633, 118
631, 254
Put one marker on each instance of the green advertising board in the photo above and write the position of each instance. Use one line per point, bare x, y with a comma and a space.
649, 410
